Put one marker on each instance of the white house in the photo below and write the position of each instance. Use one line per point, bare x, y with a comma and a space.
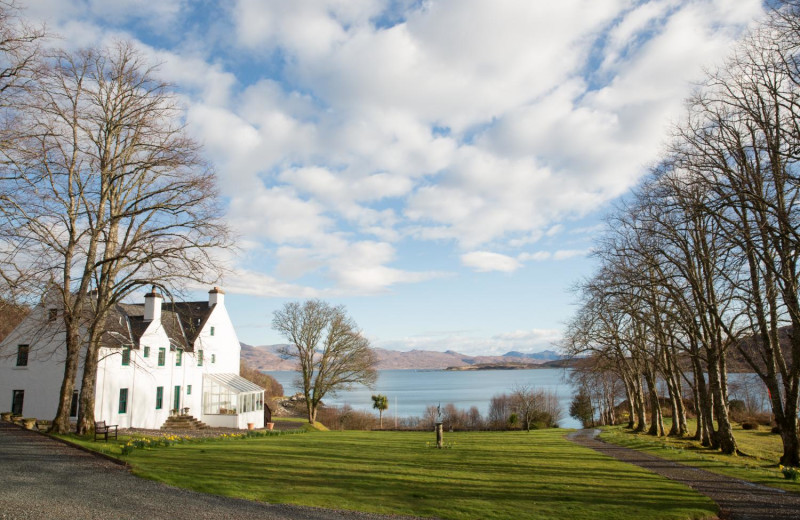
157, 359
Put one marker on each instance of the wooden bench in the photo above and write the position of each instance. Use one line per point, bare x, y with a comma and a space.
101, 429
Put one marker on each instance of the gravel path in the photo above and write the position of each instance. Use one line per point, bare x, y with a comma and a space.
737, 499
43, 478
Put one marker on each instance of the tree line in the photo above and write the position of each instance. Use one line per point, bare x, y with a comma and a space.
525, 407
102, 191
700, 261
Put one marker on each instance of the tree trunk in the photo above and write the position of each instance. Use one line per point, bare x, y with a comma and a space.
61, 422
656, 418
86, 416
641, 408
723, 438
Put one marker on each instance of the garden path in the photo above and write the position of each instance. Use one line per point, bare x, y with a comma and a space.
737, 499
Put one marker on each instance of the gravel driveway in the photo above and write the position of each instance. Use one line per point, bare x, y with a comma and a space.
44, 479
737, 499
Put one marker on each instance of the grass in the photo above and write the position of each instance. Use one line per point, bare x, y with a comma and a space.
763, 451
487, 475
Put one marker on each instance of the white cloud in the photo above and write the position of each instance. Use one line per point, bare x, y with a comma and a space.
565, 254
561, 254
484, 261
342, 132
467, 342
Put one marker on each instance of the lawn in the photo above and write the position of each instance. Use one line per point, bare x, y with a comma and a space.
762, 448
486, 475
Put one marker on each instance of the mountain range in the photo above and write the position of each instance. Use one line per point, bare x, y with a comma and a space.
266, 357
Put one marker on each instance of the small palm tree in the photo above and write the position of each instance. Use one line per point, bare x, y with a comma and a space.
380, 403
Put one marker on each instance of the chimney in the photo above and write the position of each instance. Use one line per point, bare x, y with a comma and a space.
216, 296
152, 305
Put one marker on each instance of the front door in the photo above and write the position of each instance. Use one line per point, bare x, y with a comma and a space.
177, 399
16, 402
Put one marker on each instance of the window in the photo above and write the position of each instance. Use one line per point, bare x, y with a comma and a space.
178, 357
73, 406
126, 356
188, 389
123, 400
212, 331
16, 402
162, 356
199, 358
52, 314
213, 358
146, 351
22, 355
159, 397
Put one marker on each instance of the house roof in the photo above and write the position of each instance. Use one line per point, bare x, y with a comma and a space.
182, 322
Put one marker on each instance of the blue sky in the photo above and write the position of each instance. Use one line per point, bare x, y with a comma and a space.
440, 167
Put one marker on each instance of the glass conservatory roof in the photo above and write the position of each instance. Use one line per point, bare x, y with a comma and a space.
235, 383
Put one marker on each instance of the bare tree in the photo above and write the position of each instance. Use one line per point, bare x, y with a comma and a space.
331, 352
525, 401
109, 195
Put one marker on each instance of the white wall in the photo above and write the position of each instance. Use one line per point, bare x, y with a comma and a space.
223, 345
41, 378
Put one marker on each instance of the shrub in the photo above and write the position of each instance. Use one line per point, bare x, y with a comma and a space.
581, 408
790, 473
747, 425
346, 418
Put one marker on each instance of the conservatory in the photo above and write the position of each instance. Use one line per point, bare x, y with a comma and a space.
231, 401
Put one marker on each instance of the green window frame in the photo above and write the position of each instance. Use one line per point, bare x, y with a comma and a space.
188, 389
126, 356
159, 397
212, 331
162, 356
123, 400
146, 352
213, 358
199, 358
178, 357
22, 355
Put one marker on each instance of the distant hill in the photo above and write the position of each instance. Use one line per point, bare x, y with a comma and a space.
545, 355
265, 357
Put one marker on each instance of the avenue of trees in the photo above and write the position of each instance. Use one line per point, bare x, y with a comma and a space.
700, 263
102, 192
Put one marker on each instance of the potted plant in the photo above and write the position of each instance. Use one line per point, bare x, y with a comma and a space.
270, 425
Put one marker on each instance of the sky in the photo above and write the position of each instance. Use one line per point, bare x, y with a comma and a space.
439, 167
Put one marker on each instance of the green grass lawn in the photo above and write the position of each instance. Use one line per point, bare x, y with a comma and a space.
763, 450
486, 475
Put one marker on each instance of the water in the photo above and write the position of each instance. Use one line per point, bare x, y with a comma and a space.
411, 391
